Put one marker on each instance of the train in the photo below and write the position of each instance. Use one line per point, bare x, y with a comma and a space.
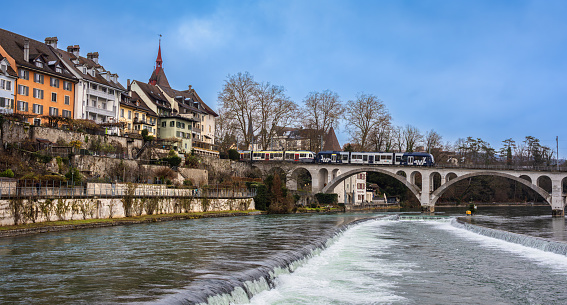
340, 157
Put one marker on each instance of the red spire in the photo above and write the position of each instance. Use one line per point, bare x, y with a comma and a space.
159, 61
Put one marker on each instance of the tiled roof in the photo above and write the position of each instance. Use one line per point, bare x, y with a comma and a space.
160, 78
331, 141
70, 59
184, 95
141, 105
154, 94
14, 46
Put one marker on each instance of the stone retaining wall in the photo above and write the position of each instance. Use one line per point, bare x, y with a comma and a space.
41, 210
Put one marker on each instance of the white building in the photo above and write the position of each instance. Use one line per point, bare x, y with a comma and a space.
354, 188
8, 78
97, 94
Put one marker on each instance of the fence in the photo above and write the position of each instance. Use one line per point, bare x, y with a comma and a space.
56, 189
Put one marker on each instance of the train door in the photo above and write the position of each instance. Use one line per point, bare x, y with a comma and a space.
296, 157
410, 160
333, 158
371, 159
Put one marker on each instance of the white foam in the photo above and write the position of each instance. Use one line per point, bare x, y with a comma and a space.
555, 261
344, 273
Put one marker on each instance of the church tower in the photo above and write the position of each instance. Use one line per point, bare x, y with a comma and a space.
158, 76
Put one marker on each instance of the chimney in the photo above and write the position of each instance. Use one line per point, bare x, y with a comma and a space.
190, 88
51, 41
93, 56
128, 84
27, 50
74, 49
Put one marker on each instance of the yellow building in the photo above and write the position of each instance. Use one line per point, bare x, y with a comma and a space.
137, 116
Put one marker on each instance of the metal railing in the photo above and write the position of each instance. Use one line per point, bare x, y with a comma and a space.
106, 190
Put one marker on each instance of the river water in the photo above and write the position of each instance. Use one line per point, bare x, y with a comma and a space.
297, 259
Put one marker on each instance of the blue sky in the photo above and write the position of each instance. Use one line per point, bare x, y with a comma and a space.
487, 69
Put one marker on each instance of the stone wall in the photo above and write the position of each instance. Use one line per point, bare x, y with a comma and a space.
12, 132
199, 177
93, 208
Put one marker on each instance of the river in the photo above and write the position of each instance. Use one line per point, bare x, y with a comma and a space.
296, 259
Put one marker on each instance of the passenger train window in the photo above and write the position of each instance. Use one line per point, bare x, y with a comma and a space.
365, 158
302, 155
345, 157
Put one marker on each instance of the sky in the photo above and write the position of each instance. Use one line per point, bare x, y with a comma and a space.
487, 69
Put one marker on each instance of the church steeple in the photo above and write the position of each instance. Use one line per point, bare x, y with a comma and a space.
159, 61
159, 66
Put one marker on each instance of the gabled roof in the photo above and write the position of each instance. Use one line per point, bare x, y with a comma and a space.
10, 71
184, 99
331, 141
13, 44
155, 95
76, 62
137, 103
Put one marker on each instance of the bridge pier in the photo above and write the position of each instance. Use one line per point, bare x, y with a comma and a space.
557, 199
429, 209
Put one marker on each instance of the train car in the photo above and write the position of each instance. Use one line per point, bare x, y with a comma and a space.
245, 155
417, 159
305, 156
332, 157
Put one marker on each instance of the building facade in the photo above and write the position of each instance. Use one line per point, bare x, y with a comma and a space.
137, 116
45, 86
98, 92
8, 77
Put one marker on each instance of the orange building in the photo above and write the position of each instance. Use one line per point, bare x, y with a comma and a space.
44, 86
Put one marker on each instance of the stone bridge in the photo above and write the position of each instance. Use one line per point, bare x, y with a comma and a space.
325, 177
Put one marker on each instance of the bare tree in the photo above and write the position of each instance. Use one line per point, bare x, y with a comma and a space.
364, 114
237, 99
411, 136
225, 131
433, 141
380, 138
397, 137
276, 111
321, 110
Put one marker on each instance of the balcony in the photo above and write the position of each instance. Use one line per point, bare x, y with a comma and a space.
101, 94
143, 122
101, 111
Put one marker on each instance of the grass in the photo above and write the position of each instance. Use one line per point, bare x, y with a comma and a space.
124, 220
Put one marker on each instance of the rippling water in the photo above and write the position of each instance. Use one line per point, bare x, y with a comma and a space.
249, 259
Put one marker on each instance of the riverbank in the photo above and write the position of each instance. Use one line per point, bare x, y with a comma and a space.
66, 225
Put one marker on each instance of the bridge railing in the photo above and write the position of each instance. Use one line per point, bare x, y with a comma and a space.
504, 167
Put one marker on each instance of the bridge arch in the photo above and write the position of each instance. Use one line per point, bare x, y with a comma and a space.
526, 177
545, 183
323, 177
437, 193
435, 180
335, 182
300, 179
402, 173
450, 176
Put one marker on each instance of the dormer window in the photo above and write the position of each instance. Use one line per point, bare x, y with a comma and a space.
58, 69
39, 64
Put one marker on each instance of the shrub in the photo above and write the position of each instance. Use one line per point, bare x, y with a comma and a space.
327, 198
74, 175
7, 173
233, 154
261, 199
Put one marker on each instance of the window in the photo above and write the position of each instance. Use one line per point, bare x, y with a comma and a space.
122, 113
5, 84
103, 89
38, 78
58, 70
110, 91
22, 106
172, 124
67, 86
37, 109
39, 64
23, 90
178, 124
94, 87
129, 114
54, 97
163, 124
53, 111
37, 122
136, 115
66, 113
129, 126
6, 102
38, 93
67, 100
24, 74
54, 82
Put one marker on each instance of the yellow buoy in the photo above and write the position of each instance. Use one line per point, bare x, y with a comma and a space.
469, 212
